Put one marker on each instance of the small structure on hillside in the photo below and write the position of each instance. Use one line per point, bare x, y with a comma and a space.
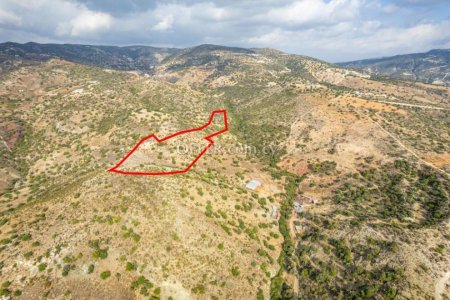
298, 208
274, 213
305, 200
253, 184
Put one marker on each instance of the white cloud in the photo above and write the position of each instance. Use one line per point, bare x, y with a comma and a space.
419, 37
47, 17
165, 24
314, 12
349, 42
89, 21
209, 11
9, 18
390, 8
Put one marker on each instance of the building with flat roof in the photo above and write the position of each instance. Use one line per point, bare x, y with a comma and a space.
253, 184
298, 208
274, 213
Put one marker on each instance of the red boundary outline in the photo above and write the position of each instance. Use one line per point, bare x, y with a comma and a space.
208, 138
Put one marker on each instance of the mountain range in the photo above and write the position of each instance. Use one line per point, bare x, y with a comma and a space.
430, 67
142, 58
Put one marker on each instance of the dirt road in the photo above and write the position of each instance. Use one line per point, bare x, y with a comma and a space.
441, 287
412, 105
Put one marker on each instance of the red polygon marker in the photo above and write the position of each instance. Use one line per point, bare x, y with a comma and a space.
158, 140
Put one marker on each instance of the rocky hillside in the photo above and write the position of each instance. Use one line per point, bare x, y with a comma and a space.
431, 67
368, 159
67, 223
140, 58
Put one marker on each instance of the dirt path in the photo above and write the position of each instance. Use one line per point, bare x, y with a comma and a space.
291, 278
411, 105
440, 287
406, 148
291, 224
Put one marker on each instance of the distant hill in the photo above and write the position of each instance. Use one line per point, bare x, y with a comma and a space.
142, 58
431, 67
203, 55
136, 58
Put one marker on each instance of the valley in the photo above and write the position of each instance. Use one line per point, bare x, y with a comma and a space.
353, 202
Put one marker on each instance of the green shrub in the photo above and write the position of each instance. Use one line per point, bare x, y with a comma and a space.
105, 275
131, 266
42, 267
440, 248
199, 289
260, 295
25, 237
100, 253
141, 281
66, 270
235, 271
90, 269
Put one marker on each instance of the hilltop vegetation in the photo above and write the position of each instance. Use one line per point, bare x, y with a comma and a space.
376, 167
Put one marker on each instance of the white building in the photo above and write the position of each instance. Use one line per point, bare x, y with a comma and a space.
274, 213
253, 184
298, 207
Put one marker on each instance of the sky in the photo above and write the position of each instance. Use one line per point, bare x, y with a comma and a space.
332, 30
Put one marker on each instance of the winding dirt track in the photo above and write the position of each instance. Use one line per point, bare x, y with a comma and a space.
407, 149
412, 105
440, 286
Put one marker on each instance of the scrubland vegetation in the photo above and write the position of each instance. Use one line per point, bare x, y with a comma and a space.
65, 221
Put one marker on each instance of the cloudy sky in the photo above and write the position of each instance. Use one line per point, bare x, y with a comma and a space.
333, 30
